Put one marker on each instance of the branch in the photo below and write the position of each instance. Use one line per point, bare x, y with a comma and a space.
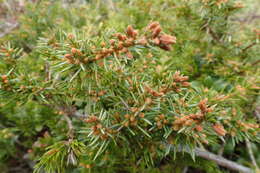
216, 158
213, 35
256, 62
70, 126
257, 112
252, 157
249, 46
222, 161
8, 30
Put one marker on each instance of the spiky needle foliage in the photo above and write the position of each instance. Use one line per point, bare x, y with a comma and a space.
104, 94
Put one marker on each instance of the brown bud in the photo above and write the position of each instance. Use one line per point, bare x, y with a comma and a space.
141, 115
101, 93
127, 116
129, 55
132, 118
219, 129
199, 128
167, 39
156, 41
165, 121
148, 100
104, 137
153, 25
126, 124
156, 31
134, 109
203, 105
67, 56
159, 124
134, 123
142, 41
112, 42
120, 45
176, 127
157, 94
74, 50
99, 126
185, 84
102, 44
29, 150
70, 36
165, 47
161, 116
131, 32
121, 37
188, 122
4, 77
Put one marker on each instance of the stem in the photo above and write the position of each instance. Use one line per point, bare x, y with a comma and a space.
213, 34
221, 150
252, 157
222, 161
8, 30
70, 126
248, 47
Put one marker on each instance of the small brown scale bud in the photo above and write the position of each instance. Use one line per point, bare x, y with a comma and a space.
67, 56
92, 119
73, 51
101, 93
167, 39
70, 36
132, 118
134, 109
153, 25
199, 128
161, 117
143, 41
159, 124
203, 105
156, 31
154, 93
4, 77
99, 126
102, 44
127, 116
148, 100
129, 55
141, 115
126, 124
131, 32
219, 129
112, 42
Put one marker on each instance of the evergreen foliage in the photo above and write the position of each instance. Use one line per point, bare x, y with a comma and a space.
129, 86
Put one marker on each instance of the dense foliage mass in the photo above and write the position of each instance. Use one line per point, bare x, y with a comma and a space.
128, 86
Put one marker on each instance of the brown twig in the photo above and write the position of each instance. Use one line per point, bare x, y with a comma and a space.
256, 62
221, 150
249, 46
47, 72
213, 34
222, 161
252, 157
8, 30
257, 112
215, 158
70, 126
